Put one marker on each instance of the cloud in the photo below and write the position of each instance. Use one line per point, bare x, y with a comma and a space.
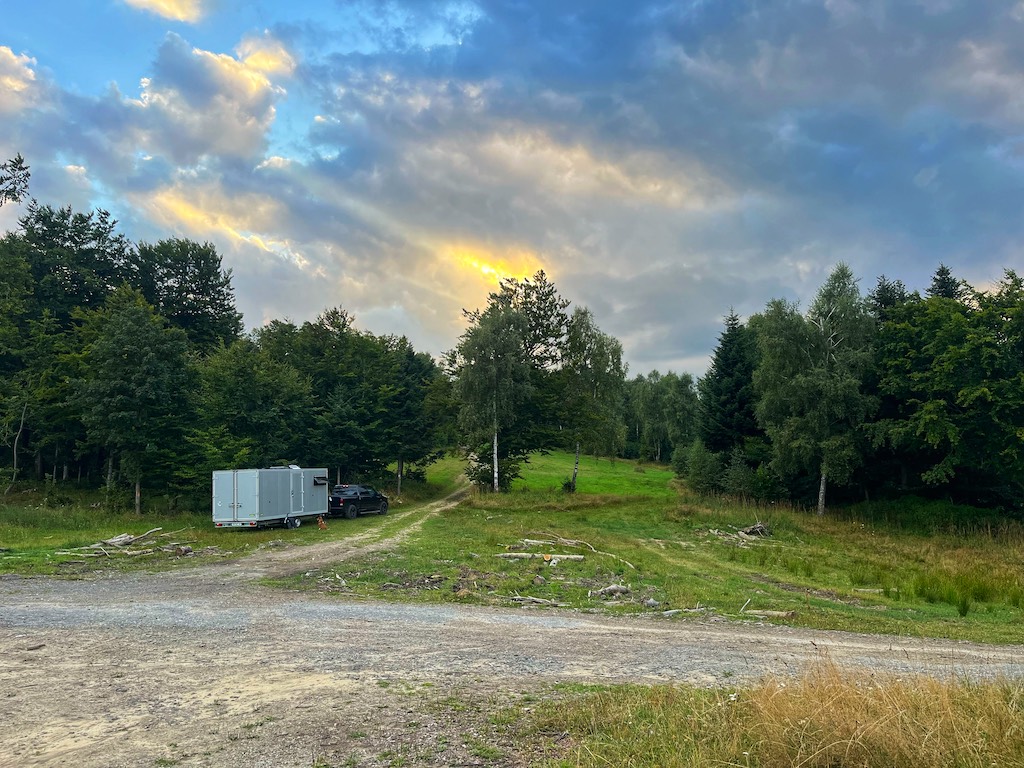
196, 107
177, 10
663, 162
265, 54
987, 77
18, 87
202, 103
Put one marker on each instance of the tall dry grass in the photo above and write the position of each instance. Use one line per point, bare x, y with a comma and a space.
829, 718
834, 717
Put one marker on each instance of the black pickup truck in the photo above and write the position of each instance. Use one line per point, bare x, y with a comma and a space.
352, 500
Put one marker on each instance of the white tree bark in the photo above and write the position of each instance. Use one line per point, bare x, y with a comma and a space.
821, 494
494, 457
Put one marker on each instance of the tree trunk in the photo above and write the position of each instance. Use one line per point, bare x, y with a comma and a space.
401, 470
14, 470
821, 494
494, 447
495, 458
576, 466
138, 496
110, 478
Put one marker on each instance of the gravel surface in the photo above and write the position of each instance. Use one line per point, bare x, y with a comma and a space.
202, 666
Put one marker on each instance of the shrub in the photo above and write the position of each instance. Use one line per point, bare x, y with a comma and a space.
703, 469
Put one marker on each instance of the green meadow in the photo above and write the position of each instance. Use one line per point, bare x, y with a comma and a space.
629, 526
636, 528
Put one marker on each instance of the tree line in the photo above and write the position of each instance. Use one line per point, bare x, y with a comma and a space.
878, 395
861, 396
125, 365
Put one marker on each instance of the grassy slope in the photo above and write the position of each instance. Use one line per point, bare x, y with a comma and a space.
687, 554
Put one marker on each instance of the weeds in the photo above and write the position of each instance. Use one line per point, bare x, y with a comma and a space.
829, 717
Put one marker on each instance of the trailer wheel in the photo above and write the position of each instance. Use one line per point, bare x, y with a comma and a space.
350, 512
292, 522
383, 508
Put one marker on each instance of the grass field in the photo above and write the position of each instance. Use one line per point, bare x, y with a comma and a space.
829, 717
635, 528
33, 531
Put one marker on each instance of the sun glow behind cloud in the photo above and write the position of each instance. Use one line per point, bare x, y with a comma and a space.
208, 214
267, 55
490, 266
177, 10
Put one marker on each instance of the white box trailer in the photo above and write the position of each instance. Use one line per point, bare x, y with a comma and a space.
254, 498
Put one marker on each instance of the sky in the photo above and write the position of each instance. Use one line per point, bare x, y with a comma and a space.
663, 162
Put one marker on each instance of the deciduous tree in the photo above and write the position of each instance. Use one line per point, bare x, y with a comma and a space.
593, 376
133, 396
809, 380
186, 283
492, 381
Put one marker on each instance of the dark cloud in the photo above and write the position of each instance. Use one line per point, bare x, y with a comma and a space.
665, 161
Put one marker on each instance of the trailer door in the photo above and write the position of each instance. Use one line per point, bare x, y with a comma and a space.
298, 494
246, 495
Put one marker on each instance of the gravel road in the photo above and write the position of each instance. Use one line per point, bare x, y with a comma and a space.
202, 666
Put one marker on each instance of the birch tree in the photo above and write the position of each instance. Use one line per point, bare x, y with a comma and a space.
810, 380
492, 380
594, 376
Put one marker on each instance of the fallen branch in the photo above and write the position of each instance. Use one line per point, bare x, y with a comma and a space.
772, 614
555, 539
757, 529
124, 539
171, 533
534, 600
611, 589
537, 556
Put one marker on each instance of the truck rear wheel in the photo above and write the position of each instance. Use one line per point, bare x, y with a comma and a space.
350, 512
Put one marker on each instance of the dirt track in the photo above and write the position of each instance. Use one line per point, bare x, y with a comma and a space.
204, 667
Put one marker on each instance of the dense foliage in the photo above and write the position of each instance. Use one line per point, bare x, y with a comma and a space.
885, 395
528, 377
125, 365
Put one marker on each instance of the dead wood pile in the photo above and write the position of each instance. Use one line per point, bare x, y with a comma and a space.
122, 546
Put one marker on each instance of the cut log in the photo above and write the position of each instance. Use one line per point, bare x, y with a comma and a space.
611, 589
757, 529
